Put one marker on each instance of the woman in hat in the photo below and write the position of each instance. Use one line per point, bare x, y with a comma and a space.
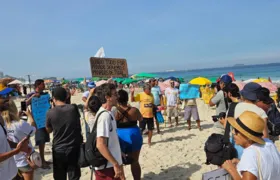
260, 159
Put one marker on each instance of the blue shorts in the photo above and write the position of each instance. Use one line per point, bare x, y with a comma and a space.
130, 139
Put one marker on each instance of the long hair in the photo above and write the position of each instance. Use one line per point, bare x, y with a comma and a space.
11, 114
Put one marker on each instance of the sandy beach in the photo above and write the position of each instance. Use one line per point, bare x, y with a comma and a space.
176, 153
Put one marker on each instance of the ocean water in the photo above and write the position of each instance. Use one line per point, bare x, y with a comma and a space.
240, 72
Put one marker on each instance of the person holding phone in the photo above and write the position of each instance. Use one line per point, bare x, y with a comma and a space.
8, 168
17, 130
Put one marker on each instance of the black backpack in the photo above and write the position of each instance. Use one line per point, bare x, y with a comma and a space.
273, 122
218, 149
89, 154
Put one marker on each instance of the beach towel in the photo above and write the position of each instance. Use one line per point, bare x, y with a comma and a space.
159, 117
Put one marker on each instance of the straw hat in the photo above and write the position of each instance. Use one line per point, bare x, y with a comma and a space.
250, 125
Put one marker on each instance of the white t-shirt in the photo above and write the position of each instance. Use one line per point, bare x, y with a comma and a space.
16, 132
86, 94
242, 107
107, 127
172, 94
269, 164
8, 168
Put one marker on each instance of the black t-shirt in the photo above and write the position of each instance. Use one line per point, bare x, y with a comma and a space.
65, 122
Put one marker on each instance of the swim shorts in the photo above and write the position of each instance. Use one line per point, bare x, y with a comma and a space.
147, 121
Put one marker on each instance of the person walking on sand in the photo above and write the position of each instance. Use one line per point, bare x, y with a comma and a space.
157, 98
146, 100
172, 101
64, 121
190, 108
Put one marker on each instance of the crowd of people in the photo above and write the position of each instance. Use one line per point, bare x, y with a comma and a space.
120, 128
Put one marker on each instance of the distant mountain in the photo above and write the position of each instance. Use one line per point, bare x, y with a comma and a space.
239, 65
20, 79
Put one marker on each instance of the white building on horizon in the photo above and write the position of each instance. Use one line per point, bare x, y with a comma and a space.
1, 74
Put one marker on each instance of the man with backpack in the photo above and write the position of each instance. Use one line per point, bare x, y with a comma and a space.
107, 141
64, 121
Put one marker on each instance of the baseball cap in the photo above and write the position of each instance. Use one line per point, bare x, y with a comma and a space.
263, 95
250, 91
6, 91
91, 85
226, 79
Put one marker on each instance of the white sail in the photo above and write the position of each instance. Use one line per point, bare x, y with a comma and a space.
100, 53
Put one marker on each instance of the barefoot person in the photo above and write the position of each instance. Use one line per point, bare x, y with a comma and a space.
191, 110
260, 159
129, 133
41, 135
146, 100
172, 100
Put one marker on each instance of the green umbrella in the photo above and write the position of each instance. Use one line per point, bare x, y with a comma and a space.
213, 79
144, 75
119, 80
128, 81
79, 79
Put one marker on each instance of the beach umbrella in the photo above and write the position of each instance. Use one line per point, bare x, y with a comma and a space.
129, 81
172, 78
15, 82
162, 86
272, 87
144, 75
260, 80
200, 81
249, 80
213, 79
96, 79
240, 84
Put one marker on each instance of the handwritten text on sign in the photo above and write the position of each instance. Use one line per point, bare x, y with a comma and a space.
40, 107
108, 67
219, 174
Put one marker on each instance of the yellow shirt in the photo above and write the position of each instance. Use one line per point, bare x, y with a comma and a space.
146, 104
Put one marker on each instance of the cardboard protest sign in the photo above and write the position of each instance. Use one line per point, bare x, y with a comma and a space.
219, 174
40, 106
189, 91
108, 67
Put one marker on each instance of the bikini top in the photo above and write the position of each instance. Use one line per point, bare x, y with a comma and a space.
129, 123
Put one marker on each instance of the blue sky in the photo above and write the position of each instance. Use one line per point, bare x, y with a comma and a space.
57, 37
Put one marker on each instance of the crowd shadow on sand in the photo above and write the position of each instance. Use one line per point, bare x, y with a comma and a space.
176, 138
174, 173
